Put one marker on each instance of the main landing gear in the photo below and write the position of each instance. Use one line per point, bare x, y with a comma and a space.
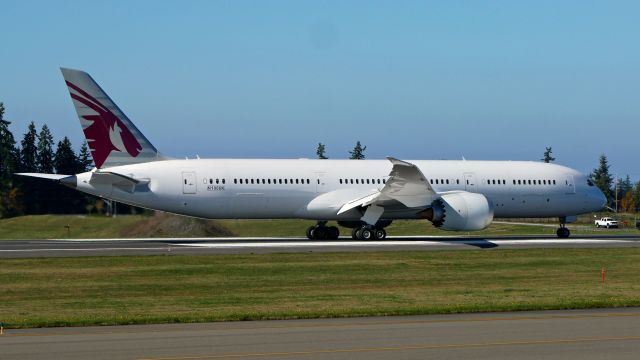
562, 231
368, 233
322, 232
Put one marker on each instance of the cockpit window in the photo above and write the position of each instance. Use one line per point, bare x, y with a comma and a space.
589, 182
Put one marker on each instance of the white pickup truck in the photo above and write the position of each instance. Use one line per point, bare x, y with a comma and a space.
606, 222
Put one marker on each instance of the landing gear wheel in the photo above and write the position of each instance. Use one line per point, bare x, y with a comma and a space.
563, 233
310, 232
333, 233
366, 234
359, 233
354, 233
379, 234
320, 233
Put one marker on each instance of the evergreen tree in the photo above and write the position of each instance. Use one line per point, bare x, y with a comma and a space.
65, 161
358, 152
29, 150
624, 186
44, 155
29, 187
602, 179
320, 151
547, 155
636, 195
9, 157
8, 151
85, 161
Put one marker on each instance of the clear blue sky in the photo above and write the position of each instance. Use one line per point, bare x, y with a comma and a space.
416, 80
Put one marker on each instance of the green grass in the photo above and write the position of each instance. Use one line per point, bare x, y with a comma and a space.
159, 289
55, 227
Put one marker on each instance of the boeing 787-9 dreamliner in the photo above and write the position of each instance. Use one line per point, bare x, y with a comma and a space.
365, 195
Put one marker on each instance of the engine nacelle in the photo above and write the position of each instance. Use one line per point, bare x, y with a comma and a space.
460, 211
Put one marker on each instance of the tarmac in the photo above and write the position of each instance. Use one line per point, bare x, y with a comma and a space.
568, 334
200, 246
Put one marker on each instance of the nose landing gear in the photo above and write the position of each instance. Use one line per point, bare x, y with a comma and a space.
562, 231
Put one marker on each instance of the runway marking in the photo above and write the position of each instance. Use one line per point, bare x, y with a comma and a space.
402, 348
87, 249
295, 324
382, 243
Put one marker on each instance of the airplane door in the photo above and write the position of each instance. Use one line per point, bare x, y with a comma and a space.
321, 178
189, 182
570, 186
470, 182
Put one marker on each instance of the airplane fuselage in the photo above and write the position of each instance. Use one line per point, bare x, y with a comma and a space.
311, 189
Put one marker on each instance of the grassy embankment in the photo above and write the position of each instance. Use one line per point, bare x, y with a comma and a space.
165, 225
158, 289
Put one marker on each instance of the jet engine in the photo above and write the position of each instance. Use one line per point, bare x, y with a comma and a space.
460, 211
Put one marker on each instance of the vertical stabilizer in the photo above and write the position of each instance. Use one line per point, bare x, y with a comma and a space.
112, 138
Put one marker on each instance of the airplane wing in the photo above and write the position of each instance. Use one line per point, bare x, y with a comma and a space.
406, 184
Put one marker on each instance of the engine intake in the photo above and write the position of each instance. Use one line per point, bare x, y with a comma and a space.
460, 211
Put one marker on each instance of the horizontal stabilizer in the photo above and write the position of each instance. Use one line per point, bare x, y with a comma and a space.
123, 182
44, 176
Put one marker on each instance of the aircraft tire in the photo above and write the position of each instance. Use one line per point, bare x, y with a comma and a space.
366, 234
563, 233
379, 234
333, 232
320, 233
310, 232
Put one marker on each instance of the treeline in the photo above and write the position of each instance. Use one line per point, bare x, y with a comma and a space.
622, 194
37, 152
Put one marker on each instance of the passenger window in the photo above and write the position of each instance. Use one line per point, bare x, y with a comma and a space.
384, 181
367, 181
279, 181
447, 181
514, 182
519, 182
378, 181
458, 181
431, 180
235, 181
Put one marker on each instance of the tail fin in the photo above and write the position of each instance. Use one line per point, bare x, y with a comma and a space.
111, 136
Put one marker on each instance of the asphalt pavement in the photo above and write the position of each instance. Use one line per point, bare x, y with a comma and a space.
572, 334
156, 246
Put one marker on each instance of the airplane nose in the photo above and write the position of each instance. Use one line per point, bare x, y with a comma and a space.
600, 200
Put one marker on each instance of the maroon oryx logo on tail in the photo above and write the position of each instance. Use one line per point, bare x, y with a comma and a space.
106, 132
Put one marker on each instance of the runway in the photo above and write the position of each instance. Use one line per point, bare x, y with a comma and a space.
155, 246
578, 334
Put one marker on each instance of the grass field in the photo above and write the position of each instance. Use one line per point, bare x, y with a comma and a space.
158, 289
165, 225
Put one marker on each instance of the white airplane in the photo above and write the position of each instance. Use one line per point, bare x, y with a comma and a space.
365, 195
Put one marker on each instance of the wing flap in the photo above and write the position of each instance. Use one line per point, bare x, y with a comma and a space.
406, 184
